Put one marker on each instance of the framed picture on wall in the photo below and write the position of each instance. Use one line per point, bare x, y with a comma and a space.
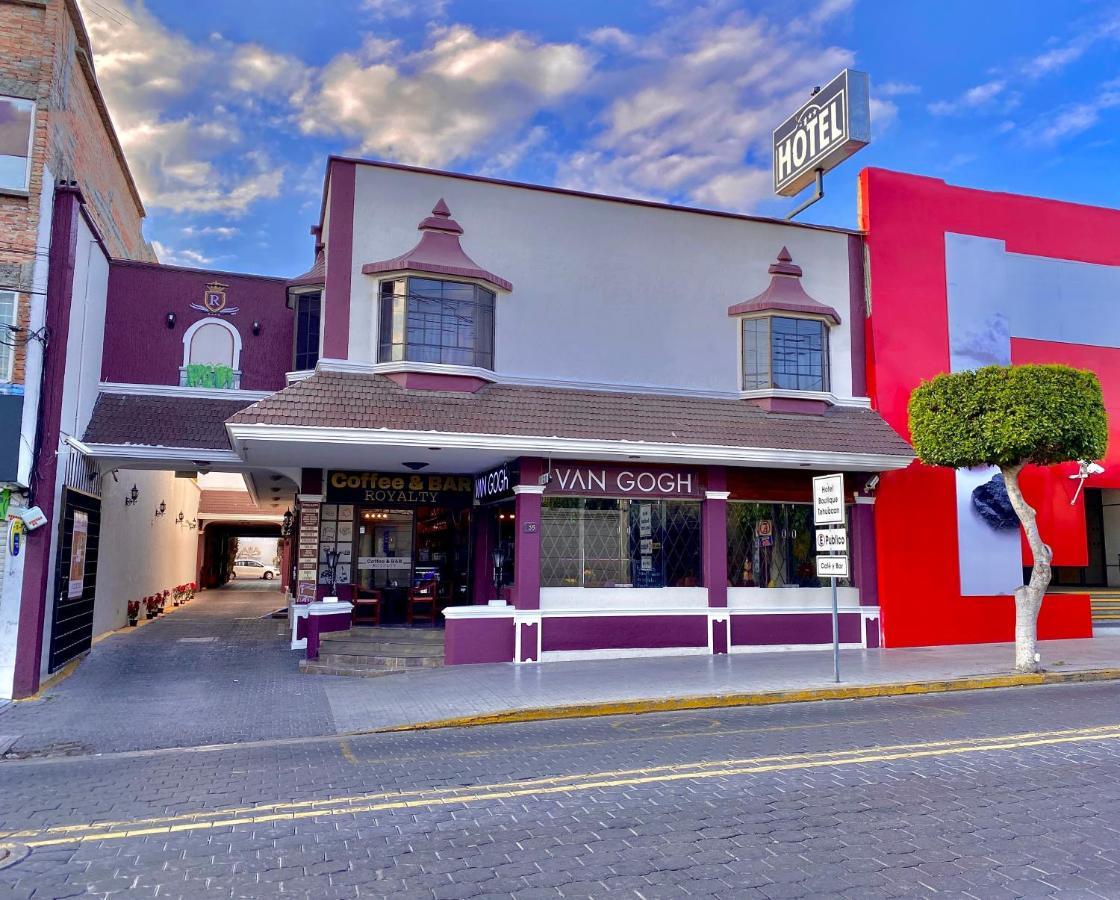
342, 574
345, 553
330, 511
345, 531
346, 513
328, 532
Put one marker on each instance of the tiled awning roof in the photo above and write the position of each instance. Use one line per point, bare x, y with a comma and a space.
156, 421
368, 401
227, 503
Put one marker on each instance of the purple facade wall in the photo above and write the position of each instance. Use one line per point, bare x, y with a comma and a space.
623, 632
142, 294
488, 640
805, 628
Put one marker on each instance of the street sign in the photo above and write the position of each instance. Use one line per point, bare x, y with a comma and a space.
832, 567
828, 128
833, 540
828, 500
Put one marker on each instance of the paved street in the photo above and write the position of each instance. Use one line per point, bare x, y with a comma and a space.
988, 794
219, 671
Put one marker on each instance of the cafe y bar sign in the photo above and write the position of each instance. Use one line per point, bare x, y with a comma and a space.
825, 131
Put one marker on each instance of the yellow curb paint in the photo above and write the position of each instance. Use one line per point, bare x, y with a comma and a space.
599, 781
761, 698
237, 815
57, 678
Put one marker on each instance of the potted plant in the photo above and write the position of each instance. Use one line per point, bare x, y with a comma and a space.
163, 600
133, 612
177, 594
191, 589
152, 606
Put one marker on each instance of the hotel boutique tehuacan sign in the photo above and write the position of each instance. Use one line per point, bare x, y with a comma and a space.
832, 125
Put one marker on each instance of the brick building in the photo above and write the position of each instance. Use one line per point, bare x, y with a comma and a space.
68, 204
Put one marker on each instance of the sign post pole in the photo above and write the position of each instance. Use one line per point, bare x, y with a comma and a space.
828, 510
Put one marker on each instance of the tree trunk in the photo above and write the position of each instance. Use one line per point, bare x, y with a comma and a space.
1028, 598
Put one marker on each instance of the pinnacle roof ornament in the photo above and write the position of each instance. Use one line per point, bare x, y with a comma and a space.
439, 252
785, 294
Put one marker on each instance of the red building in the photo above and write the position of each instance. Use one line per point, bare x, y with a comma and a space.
959, 278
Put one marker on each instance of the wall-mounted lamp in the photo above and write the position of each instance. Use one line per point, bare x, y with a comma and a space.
179, 518
286, 527
132, 497
415, 466
161, 510
170, 320
256, 328
192, 524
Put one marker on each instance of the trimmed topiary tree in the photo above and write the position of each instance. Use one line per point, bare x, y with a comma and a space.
1011, 417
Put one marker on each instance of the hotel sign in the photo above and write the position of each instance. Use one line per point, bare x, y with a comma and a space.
825, 131
391, 489
606, 480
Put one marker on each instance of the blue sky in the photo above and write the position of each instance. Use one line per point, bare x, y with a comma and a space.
227, 111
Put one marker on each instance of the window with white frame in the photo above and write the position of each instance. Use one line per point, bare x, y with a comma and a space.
8, 310
17, 121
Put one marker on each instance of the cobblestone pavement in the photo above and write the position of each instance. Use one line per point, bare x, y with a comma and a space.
220, 671
991, 794
216, 670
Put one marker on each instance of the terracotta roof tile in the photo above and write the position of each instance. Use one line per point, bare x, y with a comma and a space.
189, 422
238, 503
347, 400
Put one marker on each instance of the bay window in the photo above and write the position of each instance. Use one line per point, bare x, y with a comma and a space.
434, 321
785, 352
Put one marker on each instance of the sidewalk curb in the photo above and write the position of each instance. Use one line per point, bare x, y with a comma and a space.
759, 698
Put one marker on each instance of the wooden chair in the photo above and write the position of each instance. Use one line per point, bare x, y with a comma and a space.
422, 603
367, 607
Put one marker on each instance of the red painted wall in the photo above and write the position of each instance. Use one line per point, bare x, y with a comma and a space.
141, 349
905, 218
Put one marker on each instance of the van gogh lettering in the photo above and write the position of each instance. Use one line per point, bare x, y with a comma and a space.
606, 481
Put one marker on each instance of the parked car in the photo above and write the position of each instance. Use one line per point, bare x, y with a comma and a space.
254, 568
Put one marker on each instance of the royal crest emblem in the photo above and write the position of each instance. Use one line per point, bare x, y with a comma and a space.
214, 301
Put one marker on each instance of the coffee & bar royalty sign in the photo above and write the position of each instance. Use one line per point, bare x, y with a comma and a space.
399, 490
601, 480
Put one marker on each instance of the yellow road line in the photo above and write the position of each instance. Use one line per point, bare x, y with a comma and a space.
550, 785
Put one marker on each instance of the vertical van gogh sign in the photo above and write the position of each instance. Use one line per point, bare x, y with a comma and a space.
825, 131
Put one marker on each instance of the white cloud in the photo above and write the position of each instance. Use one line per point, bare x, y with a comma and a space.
453, 99
222, 232
982, 95
692, 116
895, 89
183, 257
1076, 118
179, 108
405, 9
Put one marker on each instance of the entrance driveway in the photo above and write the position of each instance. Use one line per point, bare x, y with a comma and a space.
219, 671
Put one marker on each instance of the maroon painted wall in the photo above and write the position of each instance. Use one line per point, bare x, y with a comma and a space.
141, 349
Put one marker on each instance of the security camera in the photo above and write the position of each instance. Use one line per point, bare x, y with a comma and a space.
872, 483
1094, 469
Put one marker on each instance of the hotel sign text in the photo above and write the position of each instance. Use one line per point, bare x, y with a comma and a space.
825, 131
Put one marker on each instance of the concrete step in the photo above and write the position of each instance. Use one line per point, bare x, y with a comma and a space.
318, 667
369, 660
381, 648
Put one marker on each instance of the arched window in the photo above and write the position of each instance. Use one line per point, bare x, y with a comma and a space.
211, 355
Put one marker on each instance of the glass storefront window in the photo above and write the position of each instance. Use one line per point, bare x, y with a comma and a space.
597, 543
771, 545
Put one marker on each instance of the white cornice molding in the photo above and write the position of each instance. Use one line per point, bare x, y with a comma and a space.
528, 489
167, 390
824, 396
716, 495
277, 518
354, 367
571, 448
144, 453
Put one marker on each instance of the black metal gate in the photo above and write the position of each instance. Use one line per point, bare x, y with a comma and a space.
75, 577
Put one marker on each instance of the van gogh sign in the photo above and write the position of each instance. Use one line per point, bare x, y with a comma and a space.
830, 127
607, 480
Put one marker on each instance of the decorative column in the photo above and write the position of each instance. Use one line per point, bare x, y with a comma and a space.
713, 529
865, 569
527, 561
482, 581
